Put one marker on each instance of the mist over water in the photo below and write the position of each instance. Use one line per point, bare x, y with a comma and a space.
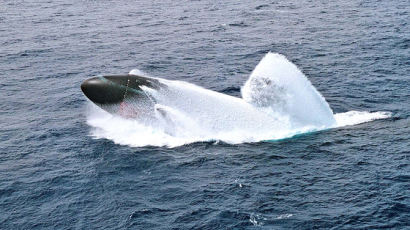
278, 102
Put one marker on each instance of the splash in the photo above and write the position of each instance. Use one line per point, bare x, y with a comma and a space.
277, 84
358, 117
278, 102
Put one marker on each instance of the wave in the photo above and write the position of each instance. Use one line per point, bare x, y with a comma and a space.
278, 101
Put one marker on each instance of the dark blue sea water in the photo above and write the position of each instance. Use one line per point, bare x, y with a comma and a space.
55, 174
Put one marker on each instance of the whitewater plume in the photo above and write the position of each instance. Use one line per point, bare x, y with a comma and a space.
278, 102
277, 84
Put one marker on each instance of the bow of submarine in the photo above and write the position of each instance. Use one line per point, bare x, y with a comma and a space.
102, 91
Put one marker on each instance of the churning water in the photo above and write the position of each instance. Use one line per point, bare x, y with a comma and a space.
278, 102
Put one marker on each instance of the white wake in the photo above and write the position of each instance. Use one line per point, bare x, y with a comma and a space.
278, 102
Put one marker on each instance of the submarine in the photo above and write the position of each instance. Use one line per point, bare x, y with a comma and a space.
122, 94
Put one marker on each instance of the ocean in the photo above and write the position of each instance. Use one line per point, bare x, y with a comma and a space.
325, 146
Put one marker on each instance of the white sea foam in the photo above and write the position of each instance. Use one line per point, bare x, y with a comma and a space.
137, 72
358, 117
279, 85
278, 102
284, 216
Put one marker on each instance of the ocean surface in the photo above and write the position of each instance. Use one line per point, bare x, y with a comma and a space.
66, 164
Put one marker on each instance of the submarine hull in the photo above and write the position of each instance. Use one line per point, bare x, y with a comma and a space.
121, 94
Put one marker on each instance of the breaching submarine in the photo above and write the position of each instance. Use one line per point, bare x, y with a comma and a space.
171, 104
122, 94
277, 96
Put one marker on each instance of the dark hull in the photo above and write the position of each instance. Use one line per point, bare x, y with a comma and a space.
119, 93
